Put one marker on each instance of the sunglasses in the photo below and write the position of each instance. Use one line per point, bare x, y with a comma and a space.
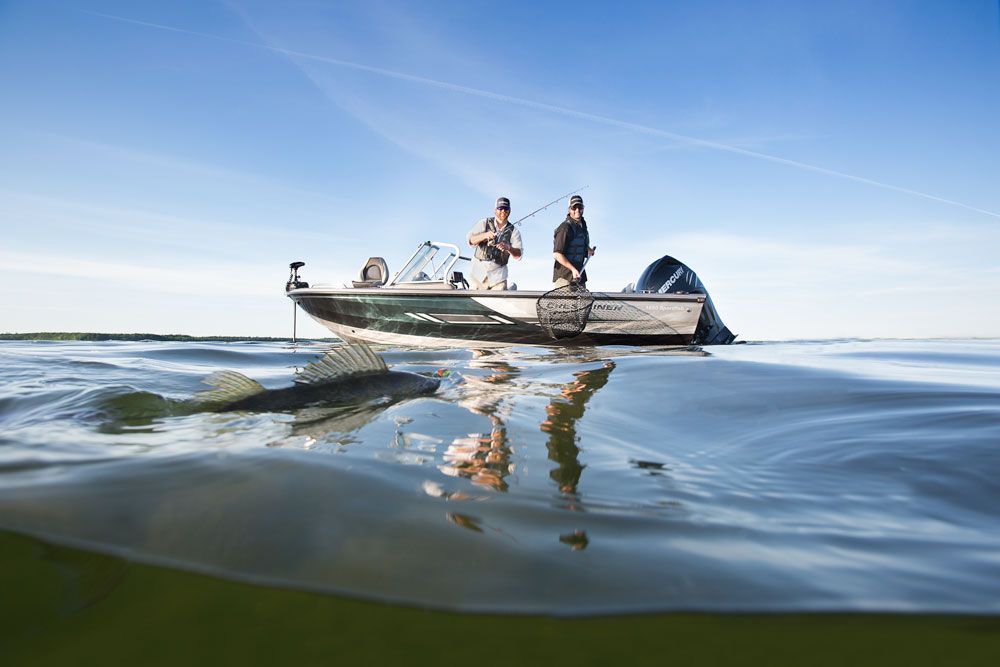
576, 207
502, 208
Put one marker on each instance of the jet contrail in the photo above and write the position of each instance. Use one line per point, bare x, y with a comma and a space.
541, 106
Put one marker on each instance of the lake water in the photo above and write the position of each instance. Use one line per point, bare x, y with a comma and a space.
746, 484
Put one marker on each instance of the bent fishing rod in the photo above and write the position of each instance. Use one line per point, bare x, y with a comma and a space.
554, 201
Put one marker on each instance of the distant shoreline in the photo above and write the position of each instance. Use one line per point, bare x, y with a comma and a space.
58, 335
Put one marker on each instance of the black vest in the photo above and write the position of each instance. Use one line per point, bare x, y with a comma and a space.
578, 244
575, 247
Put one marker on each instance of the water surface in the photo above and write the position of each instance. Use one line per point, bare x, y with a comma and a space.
836, 476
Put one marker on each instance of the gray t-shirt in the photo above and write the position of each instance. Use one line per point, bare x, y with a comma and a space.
485, 271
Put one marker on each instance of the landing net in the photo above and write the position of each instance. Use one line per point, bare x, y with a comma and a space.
564, 311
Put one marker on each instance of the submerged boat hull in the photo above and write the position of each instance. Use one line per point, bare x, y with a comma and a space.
482, 319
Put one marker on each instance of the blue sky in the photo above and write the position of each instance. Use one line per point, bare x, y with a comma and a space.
829, 170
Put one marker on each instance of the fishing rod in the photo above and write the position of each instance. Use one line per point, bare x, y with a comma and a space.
554, 201
502, 237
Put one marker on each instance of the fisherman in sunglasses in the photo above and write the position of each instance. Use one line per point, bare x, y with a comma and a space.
496, 241
571, 247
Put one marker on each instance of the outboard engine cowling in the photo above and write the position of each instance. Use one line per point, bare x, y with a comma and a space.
670, 276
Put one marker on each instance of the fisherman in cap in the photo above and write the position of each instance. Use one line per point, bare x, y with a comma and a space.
571, 246
496, 241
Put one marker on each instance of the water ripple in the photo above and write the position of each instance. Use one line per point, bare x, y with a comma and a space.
844, 475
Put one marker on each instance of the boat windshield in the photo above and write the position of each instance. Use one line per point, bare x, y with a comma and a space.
433, 261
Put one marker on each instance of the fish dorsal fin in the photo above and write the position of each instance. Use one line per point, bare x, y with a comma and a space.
342, 362
227, 387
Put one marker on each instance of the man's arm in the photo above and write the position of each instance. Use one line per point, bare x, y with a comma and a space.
514, 252
561, 258
513, 246
479, 234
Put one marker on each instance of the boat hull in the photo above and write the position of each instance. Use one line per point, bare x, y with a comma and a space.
484, 319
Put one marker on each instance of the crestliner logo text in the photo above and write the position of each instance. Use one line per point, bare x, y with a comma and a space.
607, 306
674, 278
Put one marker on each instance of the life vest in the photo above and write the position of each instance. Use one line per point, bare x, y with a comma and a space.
500, 258
578, 246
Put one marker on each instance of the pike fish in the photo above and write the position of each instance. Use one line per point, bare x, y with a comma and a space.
346, 375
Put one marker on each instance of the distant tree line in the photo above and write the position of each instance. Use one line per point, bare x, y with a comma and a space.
58, 335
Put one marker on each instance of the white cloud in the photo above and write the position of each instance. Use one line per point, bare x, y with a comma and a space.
561, 111
36, 212
191, 279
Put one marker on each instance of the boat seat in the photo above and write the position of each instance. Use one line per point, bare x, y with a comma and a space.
374, 273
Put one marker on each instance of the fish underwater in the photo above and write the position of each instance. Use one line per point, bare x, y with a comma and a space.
346, 375
349, 375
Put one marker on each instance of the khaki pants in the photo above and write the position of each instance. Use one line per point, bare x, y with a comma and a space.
502, 285
562, 282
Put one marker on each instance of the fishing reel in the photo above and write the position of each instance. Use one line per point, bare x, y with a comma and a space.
493, 253
293, 279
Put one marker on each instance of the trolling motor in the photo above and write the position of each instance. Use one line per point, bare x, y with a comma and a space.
295, 283
293, 279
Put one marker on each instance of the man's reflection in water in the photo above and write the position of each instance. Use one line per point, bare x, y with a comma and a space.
576, 540
484, 458
563, 413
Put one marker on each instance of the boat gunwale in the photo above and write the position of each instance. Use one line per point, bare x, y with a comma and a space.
312, 292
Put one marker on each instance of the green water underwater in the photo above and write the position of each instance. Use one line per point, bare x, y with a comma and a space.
804, 503
66, 606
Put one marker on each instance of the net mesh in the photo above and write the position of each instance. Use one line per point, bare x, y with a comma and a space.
615, 316
564, 311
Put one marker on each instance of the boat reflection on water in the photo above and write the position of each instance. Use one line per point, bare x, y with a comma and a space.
486, 458
491, 387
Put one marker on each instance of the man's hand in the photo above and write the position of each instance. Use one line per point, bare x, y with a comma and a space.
477, 239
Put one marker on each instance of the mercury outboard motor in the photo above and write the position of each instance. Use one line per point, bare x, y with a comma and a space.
670, 276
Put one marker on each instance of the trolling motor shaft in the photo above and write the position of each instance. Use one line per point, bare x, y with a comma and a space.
295, 283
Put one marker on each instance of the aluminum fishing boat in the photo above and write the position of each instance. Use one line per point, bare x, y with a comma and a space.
428, 303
